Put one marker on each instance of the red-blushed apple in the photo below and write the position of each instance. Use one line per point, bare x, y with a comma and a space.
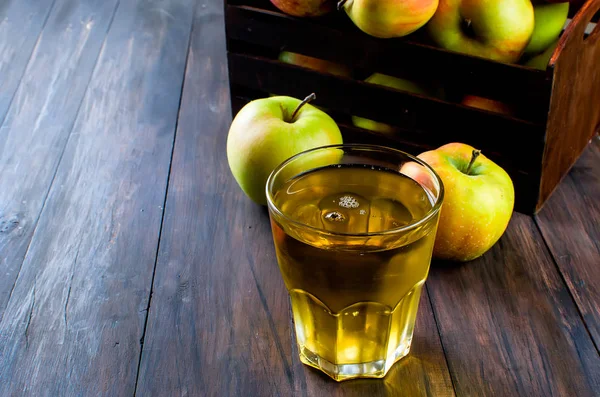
268, 131
389, 18
487, 104
317, 64
549, 22
494, 29
305, 8
478, 203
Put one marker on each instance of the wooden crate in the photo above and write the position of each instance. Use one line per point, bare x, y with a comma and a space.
557, 109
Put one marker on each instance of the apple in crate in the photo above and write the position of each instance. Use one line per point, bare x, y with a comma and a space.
389, 18
268, 131
494, 29
542, 60
549, 22
478, 201
393, 82
487, 104
317, 64
305, 8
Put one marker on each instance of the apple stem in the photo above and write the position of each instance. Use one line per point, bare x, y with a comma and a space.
474, 156
340, 4
306, 100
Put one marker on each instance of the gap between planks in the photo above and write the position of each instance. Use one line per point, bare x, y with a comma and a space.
164, 206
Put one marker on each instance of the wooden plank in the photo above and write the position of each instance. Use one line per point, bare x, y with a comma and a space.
508, 324
208, 332
219, 323
575, 100
74, 321
570, 224
411, 112
37, 126
20, 25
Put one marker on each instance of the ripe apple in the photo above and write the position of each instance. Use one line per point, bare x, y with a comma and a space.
393, 82
317, 64
549, 22
478, 203
268, 131
389, 18
486, 104
494, 29
305, 8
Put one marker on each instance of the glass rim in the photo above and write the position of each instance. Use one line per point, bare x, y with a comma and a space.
405, 228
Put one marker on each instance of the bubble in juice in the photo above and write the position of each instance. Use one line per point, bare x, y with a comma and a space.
345, 213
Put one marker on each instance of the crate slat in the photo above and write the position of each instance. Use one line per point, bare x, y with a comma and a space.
422, 119
398, 57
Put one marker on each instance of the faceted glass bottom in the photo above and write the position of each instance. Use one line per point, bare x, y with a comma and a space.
362, 340
373, 369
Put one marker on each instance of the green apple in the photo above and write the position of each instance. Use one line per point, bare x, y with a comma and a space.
305, 8
393, 82
317, 64
478, 202
268, 131
494, 29
389, 18
541, 61
549, 22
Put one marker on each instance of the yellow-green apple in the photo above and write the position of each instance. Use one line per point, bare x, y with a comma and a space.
267, 132
486, 104
389, 18
478, 202
541, 61
494, 29
305, 8
320, 65
549, 22
399, 84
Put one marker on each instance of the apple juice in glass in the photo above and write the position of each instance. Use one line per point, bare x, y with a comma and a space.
354, 227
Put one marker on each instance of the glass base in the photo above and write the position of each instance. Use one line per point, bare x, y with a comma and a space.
341, 372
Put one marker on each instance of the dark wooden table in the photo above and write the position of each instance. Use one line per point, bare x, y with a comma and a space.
131, 262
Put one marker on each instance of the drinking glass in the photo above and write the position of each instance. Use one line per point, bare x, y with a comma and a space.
354, 228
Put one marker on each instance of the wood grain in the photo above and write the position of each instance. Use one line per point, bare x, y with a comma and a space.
208, 332
20, 25
508, 324
38, 124
574, 114
74, 321
220, 321
570, 224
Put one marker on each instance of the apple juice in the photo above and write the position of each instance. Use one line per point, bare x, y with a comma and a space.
354, 275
